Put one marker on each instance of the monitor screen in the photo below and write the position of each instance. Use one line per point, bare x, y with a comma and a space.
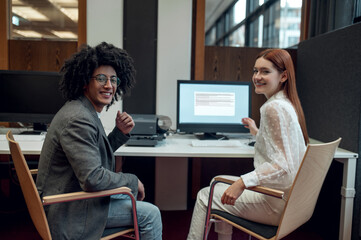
29, 97
212, 107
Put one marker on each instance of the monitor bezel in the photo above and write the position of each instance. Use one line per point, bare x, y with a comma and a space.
32, 118
194, 128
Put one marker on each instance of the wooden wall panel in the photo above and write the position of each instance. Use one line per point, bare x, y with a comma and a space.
236, 64
233, 64
39, 55
82, 23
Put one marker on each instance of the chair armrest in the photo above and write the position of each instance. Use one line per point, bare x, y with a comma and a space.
68, 197
265, 190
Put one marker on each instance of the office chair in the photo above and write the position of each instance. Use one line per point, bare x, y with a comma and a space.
301, 200
35, 204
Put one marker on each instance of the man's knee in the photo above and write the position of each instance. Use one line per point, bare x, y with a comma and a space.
155, 212
148, 212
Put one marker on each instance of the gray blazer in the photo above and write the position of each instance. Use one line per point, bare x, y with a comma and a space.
78, 156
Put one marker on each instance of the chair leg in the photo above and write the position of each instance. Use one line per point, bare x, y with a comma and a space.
135, 217
207, 224
211, 221
208, 229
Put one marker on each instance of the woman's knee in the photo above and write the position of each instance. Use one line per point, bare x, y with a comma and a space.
202, 196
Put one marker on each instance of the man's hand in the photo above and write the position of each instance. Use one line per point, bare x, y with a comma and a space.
124, 122
233, 192
141, 191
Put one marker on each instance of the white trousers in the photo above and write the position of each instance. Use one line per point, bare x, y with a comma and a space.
250, 205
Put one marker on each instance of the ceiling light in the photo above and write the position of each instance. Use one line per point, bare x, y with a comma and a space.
65, 34
28, 33
29, 13
74, 3
17, 2
72, 13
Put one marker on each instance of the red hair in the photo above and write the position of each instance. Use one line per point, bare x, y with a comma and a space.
282, 61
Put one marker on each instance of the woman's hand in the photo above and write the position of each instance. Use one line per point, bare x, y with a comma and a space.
124, 122
233, 192
251, 125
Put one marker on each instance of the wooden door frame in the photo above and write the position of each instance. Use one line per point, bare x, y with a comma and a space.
4, 46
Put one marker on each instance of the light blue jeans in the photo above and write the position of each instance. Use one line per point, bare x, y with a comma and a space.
149, 218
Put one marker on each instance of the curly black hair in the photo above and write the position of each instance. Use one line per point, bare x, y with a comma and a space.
78, 69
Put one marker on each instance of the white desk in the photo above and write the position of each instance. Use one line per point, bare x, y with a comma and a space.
181, 146
172, 169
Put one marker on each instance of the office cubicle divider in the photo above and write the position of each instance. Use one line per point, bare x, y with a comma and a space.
329, 86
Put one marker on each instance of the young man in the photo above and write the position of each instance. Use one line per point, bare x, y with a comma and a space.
77, 154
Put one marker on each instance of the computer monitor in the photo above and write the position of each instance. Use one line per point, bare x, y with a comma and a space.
30, 97
212, 107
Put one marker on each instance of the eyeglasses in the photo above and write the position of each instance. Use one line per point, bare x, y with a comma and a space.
102, 80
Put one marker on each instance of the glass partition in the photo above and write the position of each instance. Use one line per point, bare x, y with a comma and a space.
43, 19
256, 23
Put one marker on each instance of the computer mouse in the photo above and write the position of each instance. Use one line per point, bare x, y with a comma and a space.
251, 143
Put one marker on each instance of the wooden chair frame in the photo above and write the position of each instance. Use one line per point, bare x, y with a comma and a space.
35, 204
301, 200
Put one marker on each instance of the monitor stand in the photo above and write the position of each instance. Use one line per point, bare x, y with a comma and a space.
39, 128
211, 136
34, 132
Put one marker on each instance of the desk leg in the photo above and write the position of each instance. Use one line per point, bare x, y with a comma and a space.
118, 164
171, 182
347, 197
5, 187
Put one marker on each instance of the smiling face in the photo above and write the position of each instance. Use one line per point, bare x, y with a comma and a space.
266, 78
100, 95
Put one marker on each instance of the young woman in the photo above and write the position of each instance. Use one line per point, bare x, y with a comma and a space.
280, 145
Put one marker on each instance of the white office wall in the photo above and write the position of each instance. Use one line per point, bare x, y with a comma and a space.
173, 52
173, 62
105, 24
